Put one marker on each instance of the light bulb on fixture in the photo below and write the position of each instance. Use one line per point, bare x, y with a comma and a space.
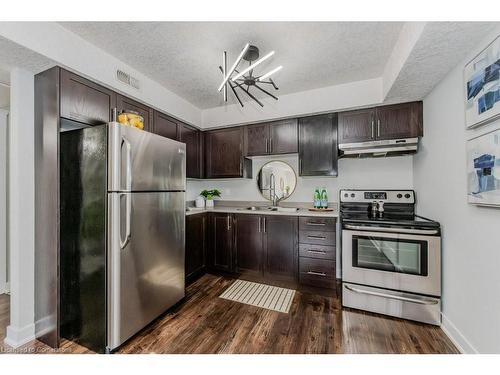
251, 67
228, 74
268, 74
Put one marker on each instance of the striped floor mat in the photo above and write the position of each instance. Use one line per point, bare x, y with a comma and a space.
260, 295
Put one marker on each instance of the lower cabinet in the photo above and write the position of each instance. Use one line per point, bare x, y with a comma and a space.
265, 248
248, 239
274, 249
280, 244
221, 242
317, 244
195, 261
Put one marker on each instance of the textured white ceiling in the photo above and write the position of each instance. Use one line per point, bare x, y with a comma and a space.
184, 56
14, 55
439, 49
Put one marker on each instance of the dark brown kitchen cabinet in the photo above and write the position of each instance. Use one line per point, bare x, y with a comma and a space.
224, 154
317, 245
126, 104
281, 249
399, 121
261, 248
194, 160
221, 242
257, 139
278, 137
381, 123
165, 126
283, 137
248, 237
85, 101
318, 152
357, 126
196, 229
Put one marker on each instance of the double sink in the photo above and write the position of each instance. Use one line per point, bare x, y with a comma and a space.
269, 208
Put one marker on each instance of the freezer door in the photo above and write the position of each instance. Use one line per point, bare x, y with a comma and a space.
142, 161
145, 259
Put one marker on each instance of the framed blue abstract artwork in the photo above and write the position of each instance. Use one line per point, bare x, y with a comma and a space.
483, 169
482, 86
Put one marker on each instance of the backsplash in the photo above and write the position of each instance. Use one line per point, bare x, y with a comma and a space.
372, 173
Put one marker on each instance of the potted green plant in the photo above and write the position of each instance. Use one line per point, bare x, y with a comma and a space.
209, 196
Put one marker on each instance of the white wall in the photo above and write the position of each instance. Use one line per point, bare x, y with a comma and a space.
3, 200
21, 193
392, 172
471, 248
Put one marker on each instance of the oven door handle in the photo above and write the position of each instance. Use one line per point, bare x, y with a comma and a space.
391, 230
392, 296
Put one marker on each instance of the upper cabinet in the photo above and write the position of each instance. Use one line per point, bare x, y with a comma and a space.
357, 126
85, 101
224, 154
165, 126
126, 104
194, 156
381, 123
278, 137
318, 153
399, 121
257, 139
283, 137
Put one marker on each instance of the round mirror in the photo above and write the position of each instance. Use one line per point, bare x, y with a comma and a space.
276, 181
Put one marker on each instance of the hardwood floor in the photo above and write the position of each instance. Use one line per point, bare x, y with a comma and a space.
204, 323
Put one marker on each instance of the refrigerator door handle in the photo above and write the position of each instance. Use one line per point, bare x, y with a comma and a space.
128, 177
128, 211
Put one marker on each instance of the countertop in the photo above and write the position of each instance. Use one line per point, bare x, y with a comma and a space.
239, 210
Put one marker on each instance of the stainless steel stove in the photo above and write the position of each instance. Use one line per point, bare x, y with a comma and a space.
391, 258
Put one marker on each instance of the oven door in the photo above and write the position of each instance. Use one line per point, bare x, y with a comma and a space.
409, 262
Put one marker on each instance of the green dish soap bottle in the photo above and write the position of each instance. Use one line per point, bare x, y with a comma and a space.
317, 198
324, 198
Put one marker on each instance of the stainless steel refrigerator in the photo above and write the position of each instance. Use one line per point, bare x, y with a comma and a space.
122, 232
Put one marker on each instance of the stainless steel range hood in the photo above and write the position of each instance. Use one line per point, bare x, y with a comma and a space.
392, 147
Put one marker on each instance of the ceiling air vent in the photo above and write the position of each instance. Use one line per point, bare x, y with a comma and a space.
127, 79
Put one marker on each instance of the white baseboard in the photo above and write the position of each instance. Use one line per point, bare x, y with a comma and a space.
17, 337
458, 339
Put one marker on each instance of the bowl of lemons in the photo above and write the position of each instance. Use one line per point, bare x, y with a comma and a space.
131, 118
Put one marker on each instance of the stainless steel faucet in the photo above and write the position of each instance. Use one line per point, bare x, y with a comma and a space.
272, 190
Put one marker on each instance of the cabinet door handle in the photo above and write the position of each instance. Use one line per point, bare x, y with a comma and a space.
260, 224
378, 127
317, 224
373, 128
317, 237
265, 229
270, 145
316, 251
228, 222
316, 273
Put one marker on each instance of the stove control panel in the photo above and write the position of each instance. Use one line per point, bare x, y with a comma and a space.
368, 196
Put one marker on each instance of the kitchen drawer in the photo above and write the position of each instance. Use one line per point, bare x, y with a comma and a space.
324, 224
317, 251
317, 238
317, 272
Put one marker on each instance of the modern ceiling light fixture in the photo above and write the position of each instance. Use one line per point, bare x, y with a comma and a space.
245, 79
